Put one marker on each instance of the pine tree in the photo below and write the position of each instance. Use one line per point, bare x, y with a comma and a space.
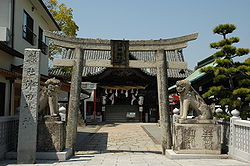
231, 79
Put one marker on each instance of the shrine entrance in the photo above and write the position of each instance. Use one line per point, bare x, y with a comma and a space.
118, 94
122, 113
118, 57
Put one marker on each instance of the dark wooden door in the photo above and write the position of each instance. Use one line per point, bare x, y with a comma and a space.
2, 98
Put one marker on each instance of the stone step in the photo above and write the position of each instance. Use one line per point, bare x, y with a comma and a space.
61, 156
172, 155
115, 120
118, 113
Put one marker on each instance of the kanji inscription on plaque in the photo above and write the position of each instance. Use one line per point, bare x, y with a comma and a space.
120, 52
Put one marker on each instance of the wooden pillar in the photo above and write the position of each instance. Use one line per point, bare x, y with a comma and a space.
162, 84
94, 111
74, 100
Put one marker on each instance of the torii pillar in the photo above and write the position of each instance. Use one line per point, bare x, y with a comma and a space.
162, 85
74, 99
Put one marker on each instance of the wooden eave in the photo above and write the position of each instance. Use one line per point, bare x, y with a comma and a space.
10, 50
9, 74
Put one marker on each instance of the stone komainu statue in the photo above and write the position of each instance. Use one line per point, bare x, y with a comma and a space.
49, 97
191, 100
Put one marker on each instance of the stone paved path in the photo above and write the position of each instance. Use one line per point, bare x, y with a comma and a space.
126, 144
123, 137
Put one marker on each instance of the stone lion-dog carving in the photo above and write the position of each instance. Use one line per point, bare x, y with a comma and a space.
49, 97
191, 100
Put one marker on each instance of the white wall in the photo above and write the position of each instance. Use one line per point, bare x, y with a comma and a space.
6, 18
19, 43
39, 21
5, 13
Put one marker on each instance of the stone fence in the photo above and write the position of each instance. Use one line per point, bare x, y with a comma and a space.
239, 147
8, 134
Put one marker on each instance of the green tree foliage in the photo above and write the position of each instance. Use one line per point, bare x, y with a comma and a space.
231, 79
64, 17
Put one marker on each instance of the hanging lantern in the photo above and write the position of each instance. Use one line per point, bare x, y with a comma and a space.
126, 93
106, 91
104, 100
140, 101
112, 98
133, 99
116, 93
132, 91
122, 91
136, 93
110, 91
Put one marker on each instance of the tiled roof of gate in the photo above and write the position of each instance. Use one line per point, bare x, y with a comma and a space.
175, 55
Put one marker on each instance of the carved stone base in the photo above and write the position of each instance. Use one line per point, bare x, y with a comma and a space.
51, 135
197, 138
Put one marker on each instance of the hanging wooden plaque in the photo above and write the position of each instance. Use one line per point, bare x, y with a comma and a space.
120, 53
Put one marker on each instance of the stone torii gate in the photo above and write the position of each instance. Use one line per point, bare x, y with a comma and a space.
159, 46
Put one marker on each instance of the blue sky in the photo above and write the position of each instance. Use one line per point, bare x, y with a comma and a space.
155, 19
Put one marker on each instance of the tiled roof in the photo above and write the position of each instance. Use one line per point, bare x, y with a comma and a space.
197, 74
172, 56
175, 55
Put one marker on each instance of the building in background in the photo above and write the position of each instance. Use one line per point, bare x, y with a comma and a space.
22, 23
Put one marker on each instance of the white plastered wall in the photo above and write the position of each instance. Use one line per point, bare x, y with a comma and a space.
19, 43
5, 13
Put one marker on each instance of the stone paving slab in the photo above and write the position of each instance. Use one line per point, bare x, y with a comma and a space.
132, 159
120, 137
126, 145
153, 131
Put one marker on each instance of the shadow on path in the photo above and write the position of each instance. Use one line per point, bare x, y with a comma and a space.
93, 142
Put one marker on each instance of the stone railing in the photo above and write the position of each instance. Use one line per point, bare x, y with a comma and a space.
239, 147
8, 134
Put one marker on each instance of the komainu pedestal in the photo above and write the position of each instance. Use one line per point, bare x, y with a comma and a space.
51, 135
197, 138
